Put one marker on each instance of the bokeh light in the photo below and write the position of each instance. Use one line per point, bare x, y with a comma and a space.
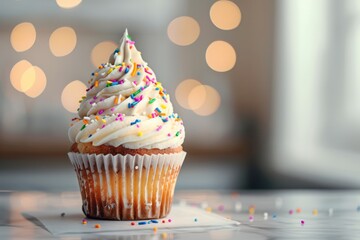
39, 83
23, 36
183, 30
182, 92
62, 41
101, 52
197, 97
16, 73
220, 56
68, 3
71, 95
225, 15
208, 97
27, 79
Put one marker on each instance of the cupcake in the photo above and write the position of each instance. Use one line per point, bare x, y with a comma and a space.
127, 141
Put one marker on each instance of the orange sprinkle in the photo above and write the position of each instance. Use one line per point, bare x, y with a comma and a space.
96, 83
85, 121
97, 118
155, 229
96, 73
134, 69
97, 225
116, 100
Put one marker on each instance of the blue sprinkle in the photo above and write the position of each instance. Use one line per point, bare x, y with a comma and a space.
358, 209
116, 50
149, 222
274, 216
165, 119
127, 70
158, 110
157, 88
195, 219
135, 122
90, 135
141, 223
92, 74
138, 73
114, 83
154, 221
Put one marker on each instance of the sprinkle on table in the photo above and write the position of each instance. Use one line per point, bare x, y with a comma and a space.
291, 211
251, 218
97, 226
298, 210
142, 223
169, 220
84, 221
315, 212
302, 222
132, 223
62, 214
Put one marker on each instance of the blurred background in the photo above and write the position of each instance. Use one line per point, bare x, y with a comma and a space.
268, 90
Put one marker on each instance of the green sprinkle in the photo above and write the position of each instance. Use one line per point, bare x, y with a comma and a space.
152, 100
82, 128
129, 37
177, 134
136, 93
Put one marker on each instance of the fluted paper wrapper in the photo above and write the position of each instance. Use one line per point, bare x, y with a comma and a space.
127, 187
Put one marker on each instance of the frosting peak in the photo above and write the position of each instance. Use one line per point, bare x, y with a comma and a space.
126, 52
126, 105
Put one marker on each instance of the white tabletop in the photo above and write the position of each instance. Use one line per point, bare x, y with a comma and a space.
290, 215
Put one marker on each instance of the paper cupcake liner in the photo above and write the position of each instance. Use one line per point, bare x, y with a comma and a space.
127, 187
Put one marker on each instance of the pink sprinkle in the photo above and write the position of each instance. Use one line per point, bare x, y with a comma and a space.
148, 72
169, 220
102, 126
101, 99
302, 222
91, 102
137, 125
251, 218
169, 135
221, 208
101, 111
117, 119
120, 69
291, 212
135, 82
95, 97
121, 81
159, 128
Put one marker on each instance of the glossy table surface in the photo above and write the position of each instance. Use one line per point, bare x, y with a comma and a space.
262, 214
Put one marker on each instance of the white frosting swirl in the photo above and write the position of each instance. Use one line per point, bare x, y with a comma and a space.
125, 105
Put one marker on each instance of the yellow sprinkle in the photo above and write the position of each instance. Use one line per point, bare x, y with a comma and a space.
96, 73
134, 69
155, 229
110, 70
315, 212
103, 120
208, 209
140, 134
163, 106
164, 235
109, 82
96, 83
